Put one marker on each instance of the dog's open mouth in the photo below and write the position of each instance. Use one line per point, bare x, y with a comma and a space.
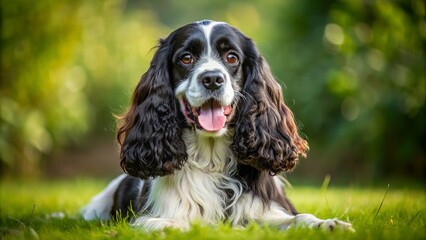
210, 117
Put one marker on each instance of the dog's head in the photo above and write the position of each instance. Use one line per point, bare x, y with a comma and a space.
209, 77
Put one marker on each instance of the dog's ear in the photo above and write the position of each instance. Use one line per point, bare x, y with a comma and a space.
150, 135
266, 135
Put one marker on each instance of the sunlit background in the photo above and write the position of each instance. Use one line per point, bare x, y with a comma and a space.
353, 72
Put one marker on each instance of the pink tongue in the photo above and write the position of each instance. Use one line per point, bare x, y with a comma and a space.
211, 116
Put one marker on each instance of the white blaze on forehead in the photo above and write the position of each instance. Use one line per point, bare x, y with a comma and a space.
207, 30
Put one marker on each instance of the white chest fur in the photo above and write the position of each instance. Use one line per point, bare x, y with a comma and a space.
202, 191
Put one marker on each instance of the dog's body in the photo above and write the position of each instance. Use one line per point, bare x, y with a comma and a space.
206, 134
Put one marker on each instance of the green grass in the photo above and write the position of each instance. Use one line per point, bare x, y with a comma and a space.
27, 212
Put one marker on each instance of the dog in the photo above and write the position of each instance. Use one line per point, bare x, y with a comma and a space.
205, 136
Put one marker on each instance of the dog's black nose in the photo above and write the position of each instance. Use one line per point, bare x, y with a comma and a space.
212, 80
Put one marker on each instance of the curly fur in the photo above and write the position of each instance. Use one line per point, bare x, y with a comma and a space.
266, 135
150, 134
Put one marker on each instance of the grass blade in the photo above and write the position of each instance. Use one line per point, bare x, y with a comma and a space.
381, 204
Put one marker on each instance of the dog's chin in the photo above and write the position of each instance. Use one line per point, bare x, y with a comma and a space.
219, 133
210, 119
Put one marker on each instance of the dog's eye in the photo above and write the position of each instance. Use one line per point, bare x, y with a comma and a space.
187, 59
232, 58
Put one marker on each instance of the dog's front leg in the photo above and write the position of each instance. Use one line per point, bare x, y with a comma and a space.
311, 221
252, 209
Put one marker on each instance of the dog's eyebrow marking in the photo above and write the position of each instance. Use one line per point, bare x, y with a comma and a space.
207, 30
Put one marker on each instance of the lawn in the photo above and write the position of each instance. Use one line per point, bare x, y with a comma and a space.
49, 210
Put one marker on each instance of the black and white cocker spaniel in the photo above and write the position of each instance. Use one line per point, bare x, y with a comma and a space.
205, 136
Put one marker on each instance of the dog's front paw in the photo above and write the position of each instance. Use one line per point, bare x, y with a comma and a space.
331, 224
327, 224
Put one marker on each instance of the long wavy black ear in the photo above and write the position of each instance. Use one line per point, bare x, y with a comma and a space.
266, 136
149, 134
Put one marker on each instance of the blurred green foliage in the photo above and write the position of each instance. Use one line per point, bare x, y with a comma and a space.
352, 71
66, 66
356, 72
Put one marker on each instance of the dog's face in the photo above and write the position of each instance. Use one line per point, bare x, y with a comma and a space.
207, 74
208, 77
